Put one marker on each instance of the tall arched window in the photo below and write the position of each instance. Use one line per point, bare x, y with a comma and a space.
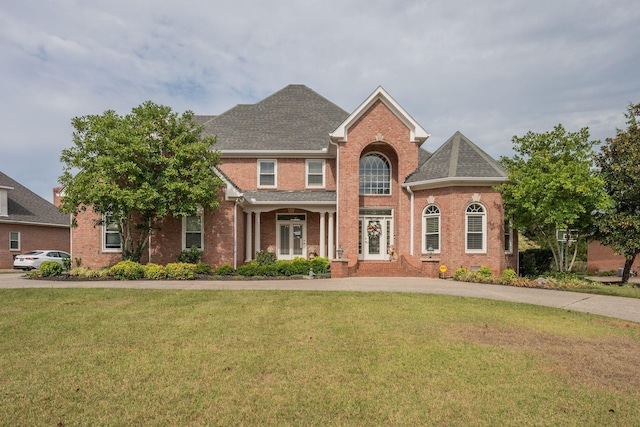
375, 174
476, 225
431, 229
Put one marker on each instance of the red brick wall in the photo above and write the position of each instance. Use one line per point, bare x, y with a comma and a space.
453, 202
403, 156
291, 173
601, 258
31, 237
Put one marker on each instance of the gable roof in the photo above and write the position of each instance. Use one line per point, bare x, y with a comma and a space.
417, 133
458, 161
292, 119
24, 206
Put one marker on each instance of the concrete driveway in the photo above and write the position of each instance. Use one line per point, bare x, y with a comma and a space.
617, 307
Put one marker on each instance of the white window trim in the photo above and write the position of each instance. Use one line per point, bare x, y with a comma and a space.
424, 228
19, 240
484, 229
307, 185
184, 232
275, 173
104, 237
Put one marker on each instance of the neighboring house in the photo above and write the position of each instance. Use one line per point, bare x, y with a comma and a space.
601, 259
28, 222
304, 177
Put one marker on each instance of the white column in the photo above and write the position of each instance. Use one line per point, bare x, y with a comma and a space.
257, 238
247, 239
332, 253
323, 235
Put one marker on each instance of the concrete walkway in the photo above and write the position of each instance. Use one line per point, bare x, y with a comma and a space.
617, 307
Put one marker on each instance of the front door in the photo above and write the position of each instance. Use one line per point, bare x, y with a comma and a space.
291, 236
376, 235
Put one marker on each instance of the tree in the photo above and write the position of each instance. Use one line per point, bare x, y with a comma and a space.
619, 162
138, 169
552, 186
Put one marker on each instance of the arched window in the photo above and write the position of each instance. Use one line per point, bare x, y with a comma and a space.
475, 228
431, 229
375, 174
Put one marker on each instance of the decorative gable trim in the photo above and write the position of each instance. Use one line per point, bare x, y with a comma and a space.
417, 134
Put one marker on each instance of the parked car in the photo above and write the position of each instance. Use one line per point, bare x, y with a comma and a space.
33, 259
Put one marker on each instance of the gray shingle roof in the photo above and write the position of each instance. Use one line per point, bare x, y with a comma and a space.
294, 118
458, 158
290, 196
25, 206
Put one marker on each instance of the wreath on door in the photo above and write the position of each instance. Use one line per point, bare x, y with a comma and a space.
374, 229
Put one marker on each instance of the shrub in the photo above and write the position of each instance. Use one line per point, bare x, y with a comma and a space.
249, 269
508, 276
181, 271
225, 270
66, 264
320, 265
155, 272
127, 270
50, 269
269, 270
203, 268
265, 258
300, 266
534, 262
461, 274
484, 272
191, 256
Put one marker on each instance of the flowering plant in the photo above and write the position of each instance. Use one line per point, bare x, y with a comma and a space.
374, 229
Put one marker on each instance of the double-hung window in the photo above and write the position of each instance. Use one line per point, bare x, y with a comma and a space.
110, 234
267, 173
431, 229
475, 228
14, 240
192, 231
315, 173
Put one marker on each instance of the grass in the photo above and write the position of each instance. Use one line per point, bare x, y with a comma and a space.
147, 357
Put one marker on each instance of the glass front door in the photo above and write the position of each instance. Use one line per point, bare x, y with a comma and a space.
376, 235
292, 239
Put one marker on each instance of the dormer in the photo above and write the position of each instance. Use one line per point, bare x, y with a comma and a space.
417, 134
4, 200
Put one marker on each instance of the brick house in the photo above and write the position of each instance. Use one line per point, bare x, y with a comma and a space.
601, 258
28, 222
305, 177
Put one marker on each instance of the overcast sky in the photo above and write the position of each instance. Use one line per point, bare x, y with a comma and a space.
490, 69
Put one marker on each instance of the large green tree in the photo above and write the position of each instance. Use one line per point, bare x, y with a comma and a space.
553, 186
619, 162
138, 169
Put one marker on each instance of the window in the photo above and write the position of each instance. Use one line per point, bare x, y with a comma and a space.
110, 235
508, 237
475, 228
315, 173
14, 241
375, 174
267, 173
192, 231
431, 228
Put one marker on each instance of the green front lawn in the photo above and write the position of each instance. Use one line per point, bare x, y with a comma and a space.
151, 357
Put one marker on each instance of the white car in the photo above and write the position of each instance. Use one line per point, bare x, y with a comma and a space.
33, 259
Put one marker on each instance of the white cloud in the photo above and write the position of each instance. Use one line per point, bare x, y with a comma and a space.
489, 69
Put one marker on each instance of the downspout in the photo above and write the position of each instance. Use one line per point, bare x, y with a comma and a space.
235, 235
411, 220
337, 224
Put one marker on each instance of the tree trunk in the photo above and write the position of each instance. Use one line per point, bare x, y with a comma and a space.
628, 262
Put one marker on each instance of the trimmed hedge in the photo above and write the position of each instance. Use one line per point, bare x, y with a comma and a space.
50, 269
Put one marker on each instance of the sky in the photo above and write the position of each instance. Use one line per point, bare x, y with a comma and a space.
490, 69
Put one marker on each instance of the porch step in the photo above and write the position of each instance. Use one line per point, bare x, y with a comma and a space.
384, 269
